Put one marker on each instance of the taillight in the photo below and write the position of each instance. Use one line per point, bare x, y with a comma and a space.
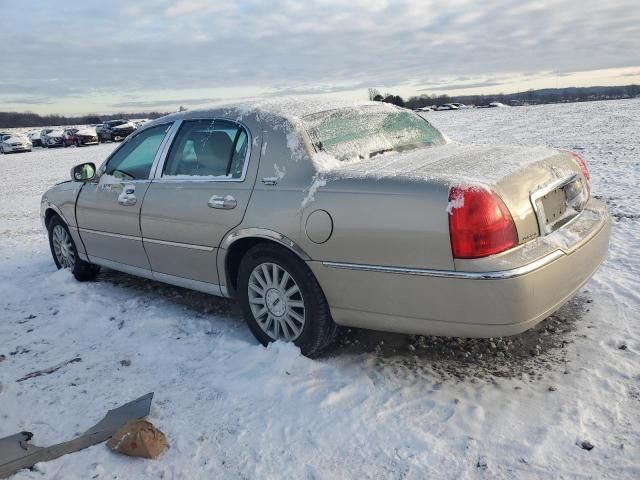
479, 223
583, 166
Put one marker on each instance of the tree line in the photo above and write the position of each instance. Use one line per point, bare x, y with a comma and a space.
530, 97
30, 119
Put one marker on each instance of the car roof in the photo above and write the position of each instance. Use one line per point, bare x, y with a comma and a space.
273, 110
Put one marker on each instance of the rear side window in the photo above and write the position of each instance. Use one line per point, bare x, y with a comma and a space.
208, 148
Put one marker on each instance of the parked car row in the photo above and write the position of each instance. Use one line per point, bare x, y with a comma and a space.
53, 137
456, 106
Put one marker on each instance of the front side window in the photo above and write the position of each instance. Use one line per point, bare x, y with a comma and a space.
134, 159
363, 132
208, 148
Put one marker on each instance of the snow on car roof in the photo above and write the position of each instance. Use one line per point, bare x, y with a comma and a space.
292, 108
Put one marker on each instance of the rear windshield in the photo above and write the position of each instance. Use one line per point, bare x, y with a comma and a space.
365, 131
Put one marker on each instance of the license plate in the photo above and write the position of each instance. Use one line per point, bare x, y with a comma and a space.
554, 205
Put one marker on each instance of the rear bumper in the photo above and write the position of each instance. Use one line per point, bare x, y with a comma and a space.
481, 302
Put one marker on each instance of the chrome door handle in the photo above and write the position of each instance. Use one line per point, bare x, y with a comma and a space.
226, 203
127, 200
128, 195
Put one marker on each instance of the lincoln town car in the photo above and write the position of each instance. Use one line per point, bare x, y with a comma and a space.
318, 214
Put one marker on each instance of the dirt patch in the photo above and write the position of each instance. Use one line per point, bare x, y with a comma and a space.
528, 355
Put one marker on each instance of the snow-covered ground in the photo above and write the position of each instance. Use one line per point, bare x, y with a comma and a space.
381, 406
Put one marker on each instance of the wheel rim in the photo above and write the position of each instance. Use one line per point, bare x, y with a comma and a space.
63, 247
276, 302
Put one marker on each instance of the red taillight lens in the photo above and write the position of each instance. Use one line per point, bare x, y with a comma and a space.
583, 166
479, 223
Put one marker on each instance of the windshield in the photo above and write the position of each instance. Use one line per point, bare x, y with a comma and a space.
365, 131
116, 123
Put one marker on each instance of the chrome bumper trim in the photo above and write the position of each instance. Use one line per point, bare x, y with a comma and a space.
495, 275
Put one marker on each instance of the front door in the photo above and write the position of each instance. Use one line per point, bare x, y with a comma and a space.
201, 193
108, 210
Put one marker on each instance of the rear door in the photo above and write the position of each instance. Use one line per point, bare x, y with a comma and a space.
108, 210
199, 193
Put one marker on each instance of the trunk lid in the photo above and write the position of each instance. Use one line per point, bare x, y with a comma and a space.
543, 188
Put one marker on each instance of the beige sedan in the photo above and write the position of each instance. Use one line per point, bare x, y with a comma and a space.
316, 214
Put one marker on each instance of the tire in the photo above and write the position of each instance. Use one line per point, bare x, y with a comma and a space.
78, 143
68, 257
317, 332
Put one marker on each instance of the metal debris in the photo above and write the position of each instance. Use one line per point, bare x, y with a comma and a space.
16, 453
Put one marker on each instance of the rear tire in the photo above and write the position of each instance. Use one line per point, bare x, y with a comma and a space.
65, 253
280, 302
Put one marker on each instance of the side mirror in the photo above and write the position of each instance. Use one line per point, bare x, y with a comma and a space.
84, 172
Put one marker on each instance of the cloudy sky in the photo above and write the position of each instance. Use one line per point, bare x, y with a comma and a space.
104, 56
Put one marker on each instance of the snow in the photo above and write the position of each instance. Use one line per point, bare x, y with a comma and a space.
455, 202
380, 406
317, 182
453, 162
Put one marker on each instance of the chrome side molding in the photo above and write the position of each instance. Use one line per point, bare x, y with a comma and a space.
264, 233
494, 275
211, 288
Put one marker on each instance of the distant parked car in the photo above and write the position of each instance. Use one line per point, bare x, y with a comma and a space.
497, 105
34, 138
446, 106
140, 122
51, 137
116, 130
13, 143
423, 109
79, 137
459, 105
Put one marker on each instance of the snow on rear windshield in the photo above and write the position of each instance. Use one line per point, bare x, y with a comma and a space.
359, 133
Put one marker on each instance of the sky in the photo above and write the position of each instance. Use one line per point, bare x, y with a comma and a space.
104, 56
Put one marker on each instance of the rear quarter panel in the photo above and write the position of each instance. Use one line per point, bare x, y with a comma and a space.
389, 222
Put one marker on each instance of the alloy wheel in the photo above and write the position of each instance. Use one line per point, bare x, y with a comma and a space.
63, 247
276, 302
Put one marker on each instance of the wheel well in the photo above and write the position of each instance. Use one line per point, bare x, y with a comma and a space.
234, 256
48, 215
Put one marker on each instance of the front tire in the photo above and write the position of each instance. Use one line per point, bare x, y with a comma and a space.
282, 300
65, 253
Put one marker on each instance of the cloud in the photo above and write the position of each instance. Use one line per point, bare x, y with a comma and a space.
160, 103
290, 45
459, 86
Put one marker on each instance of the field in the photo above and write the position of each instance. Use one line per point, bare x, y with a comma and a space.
380, 406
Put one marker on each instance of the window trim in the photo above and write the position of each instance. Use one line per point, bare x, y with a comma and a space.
157, 177
156, 159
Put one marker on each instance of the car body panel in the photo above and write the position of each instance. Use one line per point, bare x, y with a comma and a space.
108, 229
181, 227
460, 306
